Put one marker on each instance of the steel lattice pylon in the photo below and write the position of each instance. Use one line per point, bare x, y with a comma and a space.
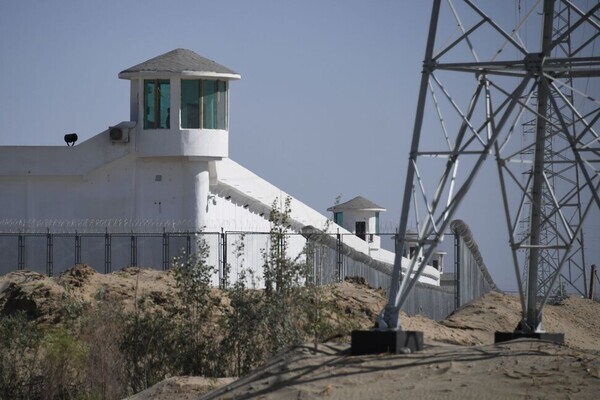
479, 83
562, 175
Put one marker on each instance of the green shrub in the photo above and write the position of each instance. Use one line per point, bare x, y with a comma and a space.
62, 364
20, 344
148, 347
243, 346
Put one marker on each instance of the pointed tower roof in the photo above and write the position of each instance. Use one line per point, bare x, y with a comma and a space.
179, 62
357, 203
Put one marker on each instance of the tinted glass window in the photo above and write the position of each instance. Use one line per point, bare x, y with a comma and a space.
157, 103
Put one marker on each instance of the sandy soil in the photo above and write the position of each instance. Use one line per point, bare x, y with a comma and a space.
460, 360
527, 369
181, 388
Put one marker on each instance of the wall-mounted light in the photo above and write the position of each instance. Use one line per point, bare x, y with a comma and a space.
70, 139
213, 198
246, 205
228, 198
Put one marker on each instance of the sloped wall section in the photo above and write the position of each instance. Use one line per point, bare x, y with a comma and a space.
336, 261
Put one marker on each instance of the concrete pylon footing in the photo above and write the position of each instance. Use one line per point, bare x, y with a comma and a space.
393, 341
500, 337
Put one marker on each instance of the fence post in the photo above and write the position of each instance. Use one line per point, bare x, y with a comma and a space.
339, 256
593, 273
77, 248
21, 253
49, 254
313, 252
188, 245
165, 250
107, 252
457, 270
224, 276
133, 250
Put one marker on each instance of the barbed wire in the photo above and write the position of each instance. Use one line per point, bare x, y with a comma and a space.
123, 225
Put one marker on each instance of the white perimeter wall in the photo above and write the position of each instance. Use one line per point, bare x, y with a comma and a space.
128, 188
105, 181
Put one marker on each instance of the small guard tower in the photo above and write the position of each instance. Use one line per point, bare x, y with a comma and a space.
361, 217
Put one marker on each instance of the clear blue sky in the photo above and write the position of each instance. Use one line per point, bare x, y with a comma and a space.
325, 105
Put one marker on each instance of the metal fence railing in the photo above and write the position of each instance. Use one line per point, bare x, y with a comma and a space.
473, 279
329, 257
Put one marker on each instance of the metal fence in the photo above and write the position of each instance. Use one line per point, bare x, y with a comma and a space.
52, 253
330, 258
472, 277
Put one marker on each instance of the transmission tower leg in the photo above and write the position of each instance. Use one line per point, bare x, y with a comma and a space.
388, 335
530, 326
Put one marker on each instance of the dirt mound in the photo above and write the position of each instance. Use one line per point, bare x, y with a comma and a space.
32, 293
47, 300
78, 275
346, 305
577, 318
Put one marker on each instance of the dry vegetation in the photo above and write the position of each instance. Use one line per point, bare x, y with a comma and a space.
90, 335
85, 333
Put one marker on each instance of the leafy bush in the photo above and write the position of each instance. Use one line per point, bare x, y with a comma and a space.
148, 347
243, 346
20, 345
62, 365
193, 336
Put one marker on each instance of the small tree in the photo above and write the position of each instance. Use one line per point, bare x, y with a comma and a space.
63, 364
244, 341
148, 347
280, 272
243, 345
322, 328
177, 341
287, 303
195, 347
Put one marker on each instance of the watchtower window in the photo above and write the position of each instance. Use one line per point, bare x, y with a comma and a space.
361, 229
203, 104
338, 217
157, 100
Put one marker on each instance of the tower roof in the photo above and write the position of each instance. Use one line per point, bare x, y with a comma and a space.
179, 62
357, 203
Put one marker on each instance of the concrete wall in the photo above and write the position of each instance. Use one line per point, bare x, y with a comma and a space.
128, 188
118, 185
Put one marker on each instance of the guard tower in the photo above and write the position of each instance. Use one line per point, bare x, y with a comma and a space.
361, 217
180, 102
179, 110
